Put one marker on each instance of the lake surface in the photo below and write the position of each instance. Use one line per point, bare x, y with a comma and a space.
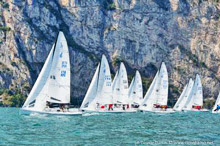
186, 128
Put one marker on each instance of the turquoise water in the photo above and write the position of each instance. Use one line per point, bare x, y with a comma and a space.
110, 129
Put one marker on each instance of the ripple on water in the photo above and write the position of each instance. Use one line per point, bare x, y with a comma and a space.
107, 129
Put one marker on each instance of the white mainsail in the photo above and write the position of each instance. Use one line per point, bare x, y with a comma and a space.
162, 86
196, 95
56, 68
216, 103
104, 91
59, 79
120, 90
135, 93
91, 92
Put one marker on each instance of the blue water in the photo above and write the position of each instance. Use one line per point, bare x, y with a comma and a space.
110, 129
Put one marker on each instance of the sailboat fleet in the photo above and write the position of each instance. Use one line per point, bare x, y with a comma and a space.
51, 91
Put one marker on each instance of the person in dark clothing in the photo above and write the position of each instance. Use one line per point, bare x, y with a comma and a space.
110, 107
217, 108
61, 107
123, 107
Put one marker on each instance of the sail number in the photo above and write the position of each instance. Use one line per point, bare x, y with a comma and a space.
63, 73
108, 80
64, 64
108, 83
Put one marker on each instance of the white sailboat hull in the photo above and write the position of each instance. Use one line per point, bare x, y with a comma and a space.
217, 112
196, 110
116, 110
158, 110
71, 112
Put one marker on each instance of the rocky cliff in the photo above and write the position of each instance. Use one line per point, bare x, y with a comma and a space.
185, 34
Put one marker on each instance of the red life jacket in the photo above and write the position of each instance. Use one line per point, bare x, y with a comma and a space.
197, 107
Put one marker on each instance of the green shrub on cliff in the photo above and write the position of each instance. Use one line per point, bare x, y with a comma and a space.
109, 5
116, 61
208, 103
11, 98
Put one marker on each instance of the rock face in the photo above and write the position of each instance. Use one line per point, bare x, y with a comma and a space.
185, 34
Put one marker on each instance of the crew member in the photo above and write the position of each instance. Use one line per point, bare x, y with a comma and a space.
217, 108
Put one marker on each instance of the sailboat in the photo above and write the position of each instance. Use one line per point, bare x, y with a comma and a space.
51, 91
184, 96
135, 92
217, 103
156, 97
99, 94
195, 99
120, 87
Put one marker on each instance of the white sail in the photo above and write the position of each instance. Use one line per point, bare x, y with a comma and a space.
115, 86
91, 92
149, 97
158, 91
40, 86
131, 91
216, 103
162, 86
53, 83
186, 95
59, 79
181, 98
120, 90
135, 93
196, 96
104, 90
